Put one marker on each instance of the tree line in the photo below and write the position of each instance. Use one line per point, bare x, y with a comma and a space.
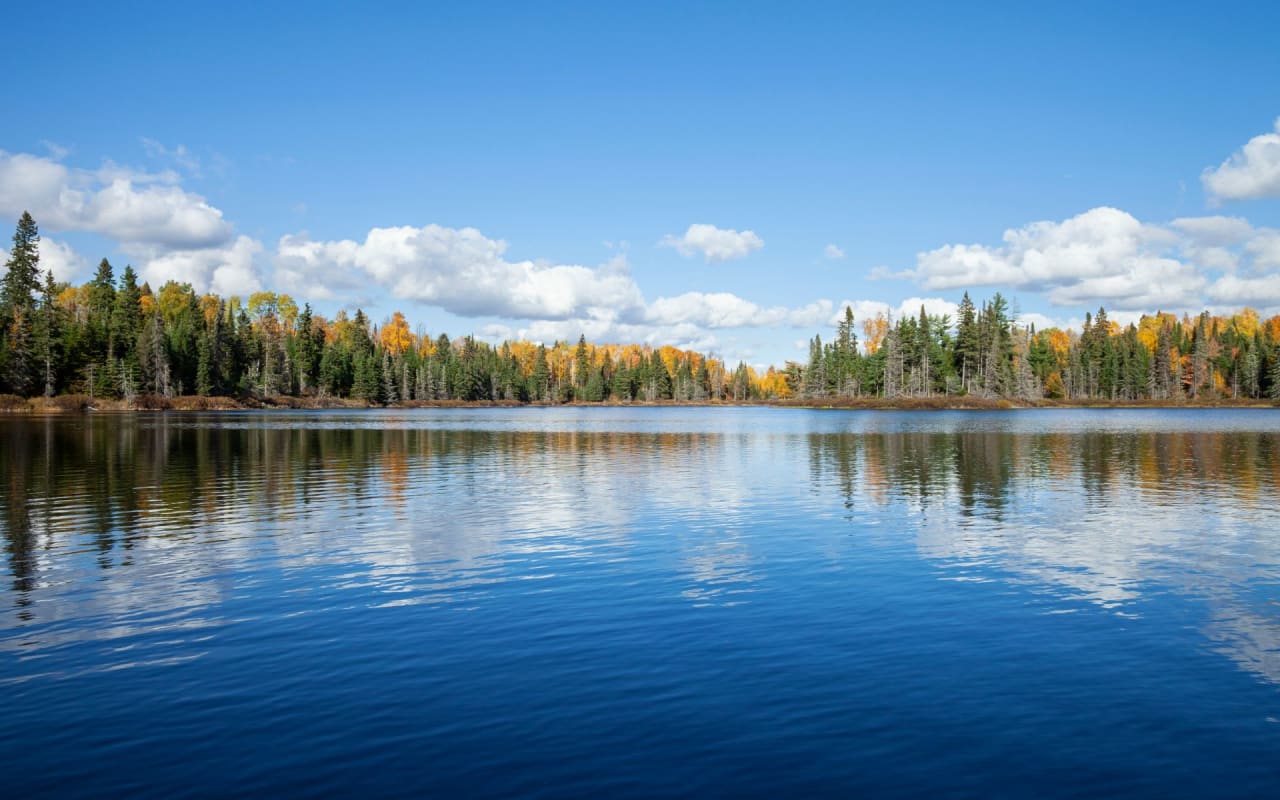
113, 337
985, 353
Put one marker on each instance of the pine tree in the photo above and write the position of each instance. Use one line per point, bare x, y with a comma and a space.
581, 365
154, 357
126, 317
204, 365
845, 356
622, 388
659, 378
1275, 375
540, 377
815, 375
389, 393
967, 346
17, 309
308, 351
48, 332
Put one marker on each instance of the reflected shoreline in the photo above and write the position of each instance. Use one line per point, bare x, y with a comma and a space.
105, 514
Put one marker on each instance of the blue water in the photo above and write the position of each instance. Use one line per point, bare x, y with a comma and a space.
605, 602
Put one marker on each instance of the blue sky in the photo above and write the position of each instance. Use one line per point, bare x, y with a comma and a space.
526, 169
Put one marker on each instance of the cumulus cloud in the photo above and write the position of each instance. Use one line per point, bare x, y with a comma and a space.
1236, 291
1106, 256
1216, 230
832, 252
1102, 242
461, 271
227, 270
1264, 249
467, 273
126, 205
869, 309
713, 244
1040, 321
1252, 172
60, 259
684, 335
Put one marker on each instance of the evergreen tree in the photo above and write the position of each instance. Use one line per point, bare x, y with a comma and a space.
1275, 374
308, 350
17, 309
581, 365
815, 375
622, 386
204, 366
540, 377
126, 317
967, 347
102, 302
153, 357
48, 333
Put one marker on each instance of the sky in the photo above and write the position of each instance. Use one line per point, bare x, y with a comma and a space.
722, 176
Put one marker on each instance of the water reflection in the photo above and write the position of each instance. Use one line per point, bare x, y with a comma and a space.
1107, 519
116, 527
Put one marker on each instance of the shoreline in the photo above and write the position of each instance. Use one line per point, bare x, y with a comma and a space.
80, 404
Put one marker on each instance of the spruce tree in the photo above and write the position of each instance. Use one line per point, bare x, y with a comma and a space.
126, 317
621, 388
17, 309
102, 301
204, 365
581, 365
1275, 375
967, 347
48, 334
540, 376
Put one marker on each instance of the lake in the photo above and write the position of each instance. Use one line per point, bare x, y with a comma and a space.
640, 601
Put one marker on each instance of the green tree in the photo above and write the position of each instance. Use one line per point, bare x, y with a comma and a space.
581, 365
17, 309
48, 335
126, 317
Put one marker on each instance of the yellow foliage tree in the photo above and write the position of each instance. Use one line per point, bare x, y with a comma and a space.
395, 336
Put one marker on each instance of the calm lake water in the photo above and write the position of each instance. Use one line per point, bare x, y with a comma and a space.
641, 601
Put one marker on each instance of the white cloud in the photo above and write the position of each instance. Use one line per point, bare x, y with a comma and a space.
459, 270
126, 205
228, 270
869, 309
1040, 321
1108, 257
1147, 284
1250, 173
832, 252
1215, 231
685, 335
813, 315
466, 273
1235, 291
1264, 249
60, 259
712, 243
1101, 242
716, 310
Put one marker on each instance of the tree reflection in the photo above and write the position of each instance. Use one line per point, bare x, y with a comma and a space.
164, 507
1103, 517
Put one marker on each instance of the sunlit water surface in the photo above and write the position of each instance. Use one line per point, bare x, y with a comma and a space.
640, 601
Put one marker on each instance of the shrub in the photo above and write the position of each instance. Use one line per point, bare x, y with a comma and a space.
71, 402
152, 402
11, 403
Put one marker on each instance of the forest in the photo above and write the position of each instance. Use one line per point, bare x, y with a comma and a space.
115, 339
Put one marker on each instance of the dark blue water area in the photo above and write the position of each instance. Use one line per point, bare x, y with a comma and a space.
665, 602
